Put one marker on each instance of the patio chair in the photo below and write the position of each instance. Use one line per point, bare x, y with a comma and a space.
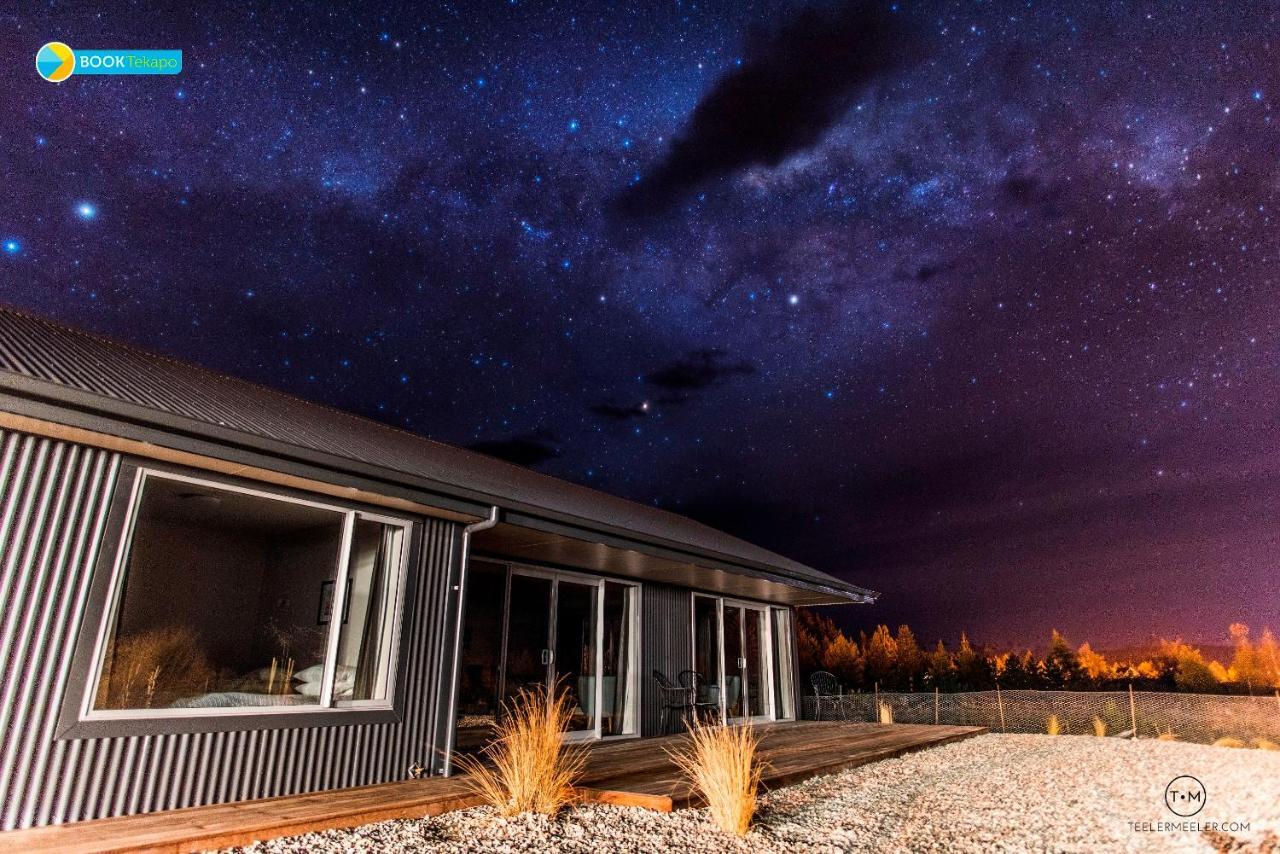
706, 696
824, 685
672, 698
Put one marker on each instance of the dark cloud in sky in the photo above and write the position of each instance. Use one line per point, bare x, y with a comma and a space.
530, 449
791, 87
698, 370
618, 412
676, 383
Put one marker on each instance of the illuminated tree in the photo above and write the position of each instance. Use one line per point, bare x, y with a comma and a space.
909, 660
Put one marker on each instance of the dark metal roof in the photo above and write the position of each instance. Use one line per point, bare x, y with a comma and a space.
73, 368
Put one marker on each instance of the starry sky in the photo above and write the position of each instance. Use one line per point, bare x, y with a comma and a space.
971, 303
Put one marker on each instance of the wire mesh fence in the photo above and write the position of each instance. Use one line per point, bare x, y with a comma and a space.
1203, 718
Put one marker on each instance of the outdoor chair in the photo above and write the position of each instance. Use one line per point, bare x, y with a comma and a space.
672, 698
824, 685
706, 696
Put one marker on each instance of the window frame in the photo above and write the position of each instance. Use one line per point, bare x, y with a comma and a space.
78, 719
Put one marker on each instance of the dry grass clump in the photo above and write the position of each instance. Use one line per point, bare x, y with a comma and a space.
886, 713
153, 669
1229, 741
1053, 726
1265, 744
1167, 735
528, 767
1099, 727
721, 764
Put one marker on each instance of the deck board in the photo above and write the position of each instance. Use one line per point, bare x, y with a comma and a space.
628, 773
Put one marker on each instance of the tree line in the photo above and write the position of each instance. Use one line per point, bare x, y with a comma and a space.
895, 661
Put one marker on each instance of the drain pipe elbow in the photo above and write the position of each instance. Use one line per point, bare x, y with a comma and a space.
451, 708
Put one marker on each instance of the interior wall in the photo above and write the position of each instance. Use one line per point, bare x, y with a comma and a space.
290, 594
213, 589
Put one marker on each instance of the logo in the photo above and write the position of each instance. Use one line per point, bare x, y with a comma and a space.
55, 62
1185, 796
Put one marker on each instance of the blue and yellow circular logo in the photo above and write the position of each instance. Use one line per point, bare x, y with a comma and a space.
55, 62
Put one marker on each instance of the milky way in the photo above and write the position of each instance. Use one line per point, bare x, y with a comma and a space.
973, 304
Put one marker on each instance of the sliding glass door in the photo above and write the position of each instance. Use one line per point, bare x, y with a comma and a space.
708, 656
528, 656
758, 693
575, 652
573, 633
737, 654
750, 696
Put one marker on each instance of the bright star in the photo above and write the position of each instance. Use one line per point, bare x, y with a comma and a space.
86, 210
12, 247
794, 299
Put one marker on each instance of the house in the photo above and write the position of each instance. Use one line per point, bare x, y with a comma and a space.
214, 591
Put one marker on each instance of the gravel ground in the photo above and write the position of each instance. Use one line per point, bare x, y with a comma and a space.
991, 793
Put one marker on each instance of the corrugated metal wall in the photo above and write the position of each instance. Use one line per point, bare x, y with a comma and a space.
666, 643
53, 508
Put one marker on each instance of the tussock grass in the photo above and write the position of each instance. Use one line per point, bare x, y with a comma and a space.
886, 713
1265, 744
1229, 741
720, 763
1053, 726
1099, 727
1167, 735
528, 767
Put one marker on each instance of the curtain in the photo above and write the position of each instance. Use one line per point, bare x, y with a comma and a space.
622, 722
367, 662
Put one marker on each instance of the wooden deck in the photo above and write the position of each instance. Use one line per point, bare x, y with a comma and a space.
632, 773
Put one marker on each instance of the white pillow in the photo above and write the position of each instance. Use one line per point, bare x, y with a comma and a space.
314, 673
308, 689
312, 689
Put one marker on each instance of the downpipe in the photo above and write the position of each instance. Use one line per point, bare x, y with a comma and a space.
446, 767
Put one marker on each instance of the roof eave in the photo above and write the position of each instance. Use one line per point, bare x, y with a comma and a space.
43, 398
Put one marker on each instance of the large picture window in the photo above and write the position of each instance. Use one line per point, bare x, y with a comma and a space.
226, 599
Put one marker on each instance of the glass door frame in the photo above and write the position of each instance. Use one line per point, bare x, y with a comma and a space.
555, 576
766, 656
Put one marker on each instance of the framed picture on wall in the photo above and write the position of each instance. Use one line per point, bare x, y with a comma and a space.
325, 612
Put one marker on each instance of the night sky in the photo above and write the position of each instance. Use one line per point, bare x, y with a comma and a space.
974, 304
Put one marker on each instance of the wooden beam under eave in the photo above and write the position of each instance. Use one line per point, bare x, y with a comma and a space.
151, 451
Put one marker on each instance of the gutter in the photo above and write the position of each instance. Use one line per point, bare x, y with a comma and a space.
450, 709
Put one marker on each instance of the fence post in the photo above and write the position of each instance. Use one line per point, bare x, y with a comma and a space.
1133, 713
1000, 704
935, 704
